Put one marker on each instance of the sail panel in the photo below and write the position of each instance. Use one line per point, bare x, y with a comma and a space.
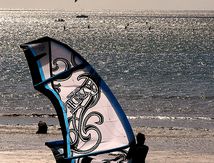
93, 117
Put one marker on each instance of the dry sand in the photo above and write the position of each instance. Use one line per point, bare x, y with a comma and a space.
20, 144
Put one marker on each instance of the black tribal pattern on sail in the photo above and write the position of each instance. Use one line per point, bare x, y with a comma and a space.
78, 104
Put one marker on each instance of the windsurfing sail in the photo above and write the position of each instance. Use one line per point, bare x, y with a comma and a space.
91, 119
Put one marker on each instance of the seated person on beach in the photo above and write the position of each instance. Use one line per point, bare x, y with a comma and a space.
137, 153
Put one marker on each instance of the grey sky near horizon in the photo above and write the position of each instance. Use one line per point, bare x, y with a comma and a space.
109, 4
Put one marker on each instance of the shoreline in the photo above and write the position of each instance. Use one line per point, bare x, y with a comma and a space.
151, 121
148, 131
20, 143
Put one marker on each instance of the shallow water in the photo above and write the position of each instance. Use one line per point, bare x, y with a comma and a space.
160, 65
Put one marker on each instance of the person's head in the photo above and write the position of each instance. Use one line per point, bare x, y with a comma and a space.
140, 138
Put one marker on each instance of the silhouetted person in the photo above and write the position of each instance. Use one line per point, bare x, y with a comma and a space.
86, 160
137, 153
42, 128
126, 25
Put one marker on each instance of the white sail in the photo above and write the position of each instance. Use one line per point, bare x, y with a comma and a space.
91, 118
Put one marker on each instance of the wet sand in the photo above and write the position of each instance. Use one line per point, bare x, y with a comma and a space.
20, 144
177, 145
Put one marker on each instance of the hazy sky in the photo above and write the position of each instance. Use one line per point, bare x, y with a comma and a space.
110, 4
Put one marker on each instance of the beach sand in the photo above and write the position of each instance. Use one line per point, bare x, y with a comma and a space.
20, 144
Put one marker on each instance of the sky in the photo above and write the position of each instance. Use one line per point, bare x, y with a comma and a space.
109, 4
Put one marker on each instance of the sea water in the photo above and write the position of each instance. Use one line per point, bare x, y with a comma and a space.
159, 65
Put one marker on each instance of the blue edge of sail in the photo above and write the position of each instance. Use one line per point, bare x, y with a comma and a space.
41, 84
